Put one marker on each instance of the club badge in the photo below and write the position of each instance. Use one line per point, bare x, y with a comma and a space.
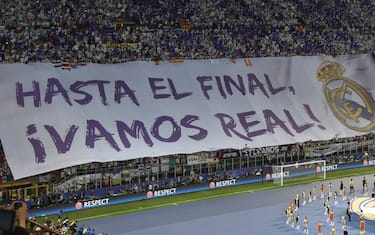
351, 104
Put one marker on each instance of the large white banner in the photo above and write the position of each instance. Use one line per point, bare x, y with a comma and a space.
53, 118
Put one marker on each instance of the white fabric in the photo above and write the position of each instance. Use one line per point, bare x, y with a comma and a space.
266, 114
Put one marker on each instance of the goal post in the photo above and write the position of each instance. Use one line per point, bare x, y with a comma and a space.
299, 171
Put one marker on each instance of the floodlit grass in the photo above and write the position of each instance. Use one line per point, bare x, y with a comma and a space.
149, 204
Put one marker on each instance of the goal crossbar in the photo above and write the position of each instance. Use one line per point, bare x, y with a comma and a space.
300, 164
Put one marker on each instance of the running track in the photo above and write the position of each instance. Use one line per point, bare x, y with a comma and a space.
253, 213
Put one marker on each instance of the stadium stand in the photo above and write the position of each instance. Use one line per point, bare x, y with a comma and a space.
114, 31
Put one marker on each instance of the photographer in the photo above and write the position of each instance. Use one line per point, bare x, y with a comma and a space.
14, 221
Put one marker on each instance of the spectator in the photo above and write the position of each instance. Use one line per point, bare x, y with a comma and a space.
107, 31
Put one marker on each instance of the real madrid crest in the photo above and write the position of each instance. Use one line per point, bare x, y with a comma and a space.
351, 104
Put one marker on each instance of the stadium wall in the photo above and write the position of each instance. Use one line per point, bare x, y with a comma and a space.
81, 205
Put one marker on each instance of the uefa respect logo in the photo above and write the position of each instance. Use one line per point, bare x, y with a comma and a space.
160, 193
369, 162
92, 203
222, 183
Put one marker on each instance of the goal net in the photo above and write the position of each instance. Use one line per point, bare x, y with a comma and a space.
298, 171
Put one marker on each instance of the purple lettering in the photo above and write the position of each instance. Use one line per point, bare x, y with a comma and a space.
312, 116
272, 121
122, 89
76, 88
91, 136
51, 85
39, 150
187, 122
175, 94
254, 83
273, 90
228, 124
100, 89
310, 113
204, 87
154, 87
35, 93
295, 126
246, 124
229, 83
137, 129
176, 130
62, 146
220, 87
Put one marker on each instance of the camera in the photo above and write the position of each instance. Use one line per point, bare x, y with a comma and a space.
17, 205
7, 219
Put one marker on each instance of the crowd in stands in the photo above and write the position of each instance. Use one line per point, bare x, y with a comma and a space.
5, 173
115, 31
112, 31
